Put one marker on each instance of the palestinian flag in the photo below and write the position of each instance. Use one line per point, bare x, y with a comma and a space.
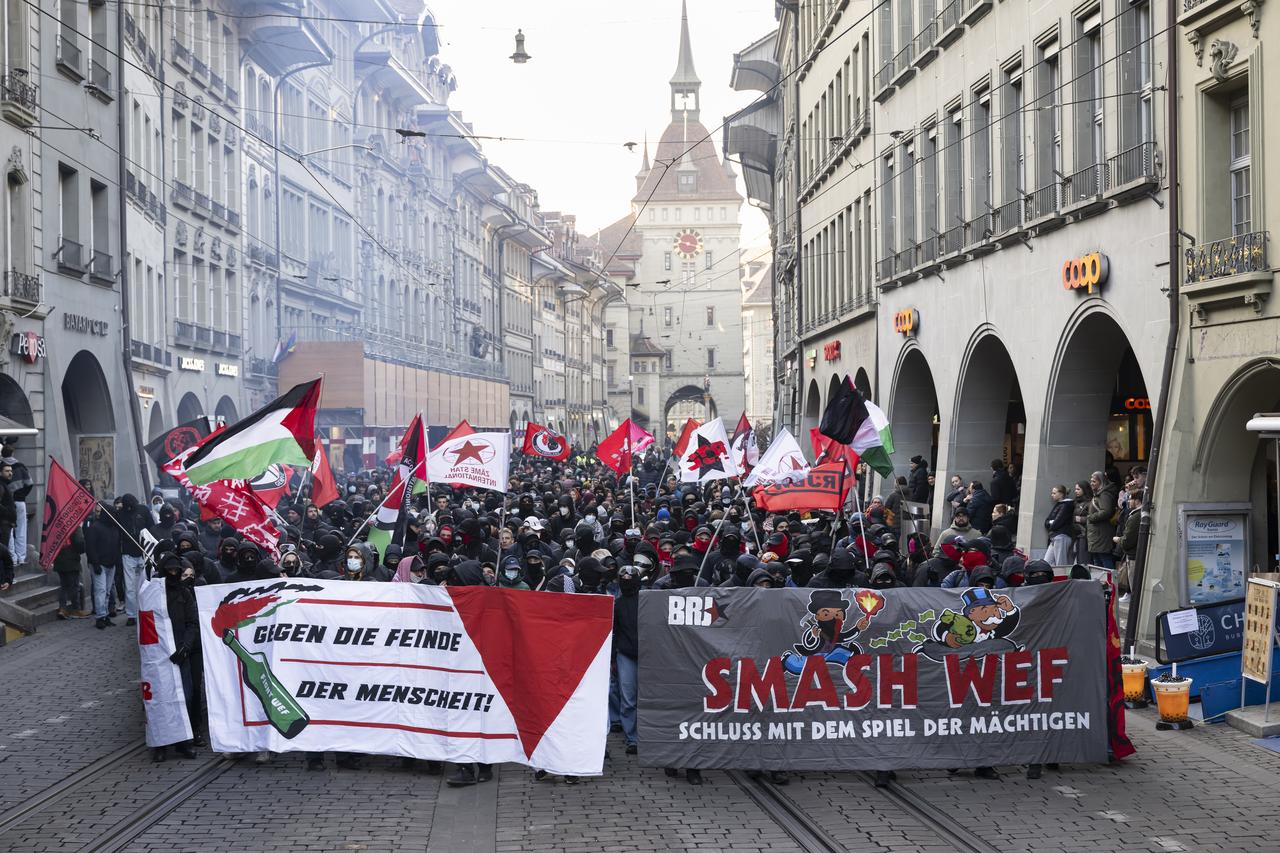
282, 432
388, 525
851, 419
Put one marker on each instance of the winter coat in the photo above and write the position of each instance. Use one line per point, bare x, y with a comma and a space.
102, 543
1129, 534
133, 519
918, 489
1003, 489
626, 625
980, 506
180, 602
1099, 529
1060, 518
951, 532
68, 559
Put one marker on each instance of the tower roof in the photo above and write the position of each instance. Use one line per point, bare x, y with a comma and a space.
685, 75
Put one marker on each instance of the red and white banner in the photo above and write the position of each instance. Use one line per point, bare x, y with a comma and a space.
163, 699
441, 673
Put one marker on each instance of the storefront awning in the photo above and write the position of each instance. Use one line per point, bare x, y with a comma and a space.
12, 427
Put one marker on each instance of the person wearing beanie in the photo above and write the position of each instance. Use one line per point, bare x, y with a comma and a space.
960, 526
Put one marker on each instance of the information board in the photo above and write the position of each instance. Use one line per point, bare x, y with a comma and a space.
1198, 632
1259, 630
1214, 546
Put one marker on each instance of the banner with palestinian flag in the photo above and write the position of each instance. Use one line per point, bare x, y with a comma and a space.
824, 487
234, 501
389, 522
408, 669
851, 419
282, 432
707, 456
480, 459
545, 442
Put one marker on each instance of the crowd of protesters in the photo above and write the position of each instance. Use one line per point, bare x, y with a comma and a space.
570, 528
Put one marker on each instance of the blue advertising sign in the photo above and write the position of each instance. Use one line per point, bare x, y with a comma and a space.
1197, 632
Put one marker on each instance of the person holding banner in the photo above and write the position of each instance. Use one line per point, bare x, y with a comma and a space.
180, 605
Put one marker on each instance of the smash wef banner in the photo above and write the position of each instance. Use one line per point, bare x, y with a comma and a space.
858, 679
461, 674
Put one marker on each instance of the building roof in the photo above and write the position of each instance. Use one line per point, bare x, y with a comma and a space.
688, 144
757, 279
620, 239
642, 345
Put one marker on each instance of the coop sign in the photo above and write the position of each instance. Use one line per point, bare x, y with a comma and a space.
1086, 272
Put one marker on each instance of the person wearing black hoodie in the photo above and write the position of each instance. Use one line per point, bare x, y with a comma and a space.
327, 564
626, 651
840, 572
102, 548
133, 519
184, 619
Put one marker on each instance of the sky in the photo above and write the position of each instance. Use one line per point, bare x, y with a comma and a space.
597, 79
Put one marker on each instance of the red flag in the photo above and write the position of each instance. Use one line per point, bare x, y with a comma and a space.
235, 502
323, 487
66, 506
682, 443
824, 449
826, 487
463, 428
545, 442
615, 449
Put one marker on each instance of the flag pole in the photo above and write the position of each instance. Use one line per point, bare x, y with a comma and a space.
371, 517
631, 479
742, 493
714, 535
117, 523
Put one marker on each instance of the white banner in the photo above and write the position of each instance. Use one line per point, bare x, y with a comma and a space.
163, 699
707, 455
782, 462
480, 459
451, 674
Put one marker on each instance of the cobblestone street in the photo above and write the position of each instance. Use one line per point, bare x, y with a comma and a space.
1210, 789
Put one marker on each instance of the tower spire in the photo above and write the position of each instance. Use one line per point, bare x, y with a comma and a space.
684, 83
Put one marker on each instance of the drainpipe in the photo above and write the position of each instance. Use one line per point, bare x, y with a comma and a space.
1171, 346
126, 329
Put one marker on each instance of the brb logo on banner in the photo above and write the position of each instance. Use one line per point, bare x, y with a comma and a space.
1089, 271
700, 611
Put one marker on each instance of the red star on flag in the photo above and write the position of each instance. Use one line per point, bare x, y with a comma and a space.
467, 451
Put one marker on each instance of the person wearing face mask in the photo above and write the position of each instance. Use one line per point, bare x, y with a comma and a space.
626, 651
564, 517
226, 563
883, 577
187, 545
391, 559
328, 558
291, 562
839, 573
1037, 573
180, 604
246, 566
683, 574
511, 574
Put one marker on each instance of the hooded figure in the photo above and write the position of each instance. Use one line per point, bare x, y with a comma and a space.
511, 574
184, 618
840, 573
328, 557
934, 570
743, 567
465, 573
227, 556
684, 573
246, 571
760, 577
883, 577
721, 562
560, 579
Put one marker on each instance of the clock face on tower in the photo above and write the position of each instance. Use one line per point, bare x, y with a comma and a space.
688, 244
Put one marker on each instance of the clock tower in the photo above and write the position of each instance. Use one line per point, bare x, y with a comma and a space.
678, 251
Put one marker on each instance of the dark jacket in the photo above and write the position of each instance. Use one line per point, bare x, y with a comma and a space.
68, 559
180, 601
980, 506
102, 542
21, 484
1100, 529
918, 488
626, 625
1129, 534
133, 519
1003, 489
1060, 518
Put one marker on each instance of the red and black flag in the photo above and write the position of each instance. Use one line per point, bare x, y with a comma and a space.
825, 487
545, 442
66, 505
178, 439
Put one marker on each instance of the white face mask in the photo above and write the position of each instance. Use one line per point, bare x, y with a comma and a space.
354, 564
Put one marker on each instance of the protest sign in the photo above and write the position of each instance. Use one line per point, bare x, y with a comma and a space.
164, 700
451, 674
859, 679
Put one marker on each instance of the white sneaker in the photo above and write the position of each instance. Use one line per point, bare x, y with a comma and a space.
262, 757
1124, 599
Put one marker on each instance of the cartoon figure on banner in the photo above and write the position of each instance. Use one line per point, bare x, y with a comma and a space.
980, 626
827, 630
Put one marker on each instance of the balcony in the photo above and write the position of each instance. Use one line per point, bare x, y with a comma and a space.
100, 268
150, 352
1083, 191
1008, 216
973, 10
181, 54
883, 84
203, 203
949, 26
199, 68
182, 195
219, 211
926, 43
903, 70
18, 97
887, 268
1228, 272
67, 56
1134, 172
217, 85
951, 241
70, 256
99, 82
22, 287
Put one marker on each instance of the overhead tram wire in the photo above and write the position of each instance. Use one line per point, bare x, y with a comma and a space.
146, 72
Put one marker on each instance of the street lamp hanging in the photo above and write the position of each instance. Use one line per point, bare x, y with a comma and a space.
520, 56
